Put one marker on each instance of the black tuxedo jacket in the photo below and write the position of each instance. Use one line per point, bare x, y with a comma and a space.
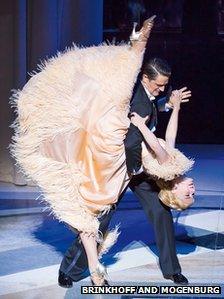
141, 104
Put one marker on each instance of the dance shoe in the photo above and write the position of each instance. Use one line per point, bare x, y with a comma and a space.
98, 276
64, 281
143, 34
178, 278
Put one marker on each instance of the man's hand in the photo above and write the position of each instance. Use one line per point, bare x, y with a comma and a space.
181, 95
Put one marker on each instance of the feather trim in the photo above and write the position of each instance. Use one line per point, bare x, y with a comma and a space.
176, 166
48, 105
110, 238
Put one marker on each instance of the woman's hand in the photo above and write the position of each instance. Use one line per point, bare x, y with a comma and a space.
176, 98
179, 96
137, 120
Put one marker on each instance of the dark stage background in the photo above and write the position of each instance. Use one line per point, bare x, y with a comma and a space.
189, 34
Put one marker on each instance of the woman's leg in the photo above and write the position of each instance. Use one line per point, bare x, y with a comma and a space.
96, 270
90, 245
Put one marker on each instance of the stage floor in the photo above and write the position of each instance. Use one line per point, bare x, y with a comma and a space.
32, 243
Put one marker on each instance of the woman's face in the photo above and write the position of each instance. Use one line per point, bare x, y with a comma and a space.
184, 189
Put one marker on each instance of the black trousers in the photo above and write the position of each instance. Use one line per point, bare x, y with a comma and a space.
74, 263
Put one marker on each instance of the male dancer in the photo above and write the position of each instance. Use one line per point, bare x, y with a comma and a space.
154, 78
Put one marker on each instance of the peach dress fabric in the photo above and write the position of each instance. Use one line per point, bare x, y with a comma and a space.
96, 148
69, 133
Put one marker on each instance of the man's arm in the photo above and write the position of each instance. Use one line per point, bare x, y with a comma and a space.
162, 104
133, 149
132, 142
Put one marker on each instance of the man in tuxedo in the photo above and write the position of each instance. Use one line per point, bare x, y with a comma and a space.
152, 82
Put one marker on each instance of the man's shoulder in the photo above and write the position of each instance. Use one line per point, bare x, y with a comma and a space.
139, 93
138, 87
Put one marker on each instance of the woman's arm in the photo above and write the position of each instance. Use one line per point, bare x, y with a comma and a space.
161, 154
171, 130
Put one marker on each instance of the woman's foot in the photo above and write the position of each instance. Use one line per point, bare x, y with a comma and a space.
98, 276
139, 38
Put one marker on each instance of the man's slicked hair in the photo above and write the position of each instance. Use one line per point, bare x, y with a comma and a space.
156, 66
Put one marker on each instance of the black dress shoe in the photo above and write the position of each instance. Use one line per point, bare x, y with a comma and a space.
64, 281
178, 278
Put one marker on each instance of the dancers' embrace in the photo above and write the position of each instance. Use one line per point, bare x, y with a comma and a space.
75, 140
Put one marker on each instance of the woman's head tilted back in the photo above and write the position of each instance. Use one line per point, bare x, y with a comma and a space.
178, 193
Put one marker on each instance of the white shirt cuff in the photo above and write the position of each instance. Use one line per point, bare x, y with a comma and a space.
138, 172
167, 107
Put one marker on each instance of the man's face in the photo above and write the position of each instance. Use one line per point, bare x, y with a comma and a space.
157, 85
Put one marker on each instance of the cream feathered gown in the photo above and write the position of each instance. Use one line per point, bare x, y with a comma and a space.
69, 133
72, 120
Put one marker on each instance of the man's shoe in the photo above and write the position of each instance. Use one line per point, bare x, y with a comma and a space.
64, 281
178, 278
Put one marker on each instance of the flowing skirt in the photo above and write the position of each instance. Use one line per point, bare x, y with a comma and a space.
69, 133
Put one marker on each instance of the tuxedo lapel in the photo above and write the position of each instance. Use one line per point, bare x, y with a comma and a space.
143, 106
140, 97
152, 111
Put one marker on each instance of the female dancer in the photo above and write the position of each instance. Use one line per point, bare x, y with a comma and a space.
161, 160
72, 120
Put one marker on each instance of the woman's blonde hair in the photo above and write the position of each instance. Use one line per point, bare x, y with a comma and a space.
169, 198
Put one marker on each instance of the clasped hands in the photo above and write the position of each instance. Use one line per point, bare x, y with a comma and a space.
179, 96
